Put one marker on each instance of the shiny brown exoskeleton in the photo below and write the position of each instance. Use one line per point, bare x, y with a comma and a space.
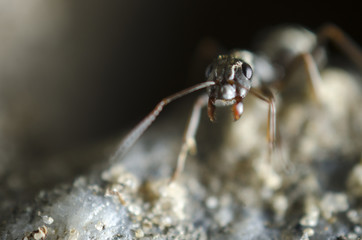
230, 78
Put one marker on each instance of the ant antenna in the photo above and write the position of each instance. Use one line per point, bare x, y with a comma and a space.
129, 140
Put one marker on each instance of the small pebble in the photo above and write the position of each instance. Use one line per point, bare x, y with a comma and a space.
309, 232
353, 216
73, 234
80, 182
280, 204
99, 226
147, 225
358, 230
224, 216
333, 203
139, 233
304, 236
39, 235
47, 220
166, 221
212, 202
310, 220
134, 209
352, 236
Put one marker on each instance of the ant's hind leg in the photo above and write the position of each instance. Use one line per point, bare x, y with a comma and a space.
334, 34
189, 142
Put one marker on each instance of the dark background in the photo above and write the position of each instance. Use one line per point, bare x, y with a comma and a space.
73, 73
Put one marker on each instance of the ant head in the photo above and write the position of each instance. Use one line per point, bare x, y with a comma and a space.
232, 77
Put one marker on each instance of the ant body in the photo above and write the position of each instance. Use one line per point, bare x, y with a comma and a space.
230, 78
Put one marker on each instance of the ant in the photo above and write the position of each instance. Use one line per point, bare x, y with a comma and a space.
230, 78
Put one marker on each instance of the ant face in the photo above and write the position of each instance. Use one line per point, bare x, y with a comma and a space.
232, 78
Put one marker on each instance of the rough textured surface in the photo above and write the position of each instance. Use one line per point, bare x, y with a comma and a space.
311, 188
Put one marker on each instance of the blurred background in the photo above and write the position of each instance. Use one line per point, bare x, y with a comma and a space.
76, 73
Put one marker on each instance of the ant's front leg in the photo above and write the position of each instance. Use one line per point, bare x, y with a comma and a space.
189, 142
266, 95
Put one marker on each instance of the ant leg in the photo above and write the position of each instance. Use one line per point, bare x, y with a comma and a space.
274, 146
267, 96
313, 76
340, 39
142, 126
189, 143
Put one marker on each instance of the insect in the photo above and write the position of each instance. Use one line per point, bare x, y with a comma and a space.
232, 77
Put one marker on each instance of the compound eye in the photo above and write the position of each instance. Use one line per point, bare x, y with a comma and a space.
247, 70
209, 70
